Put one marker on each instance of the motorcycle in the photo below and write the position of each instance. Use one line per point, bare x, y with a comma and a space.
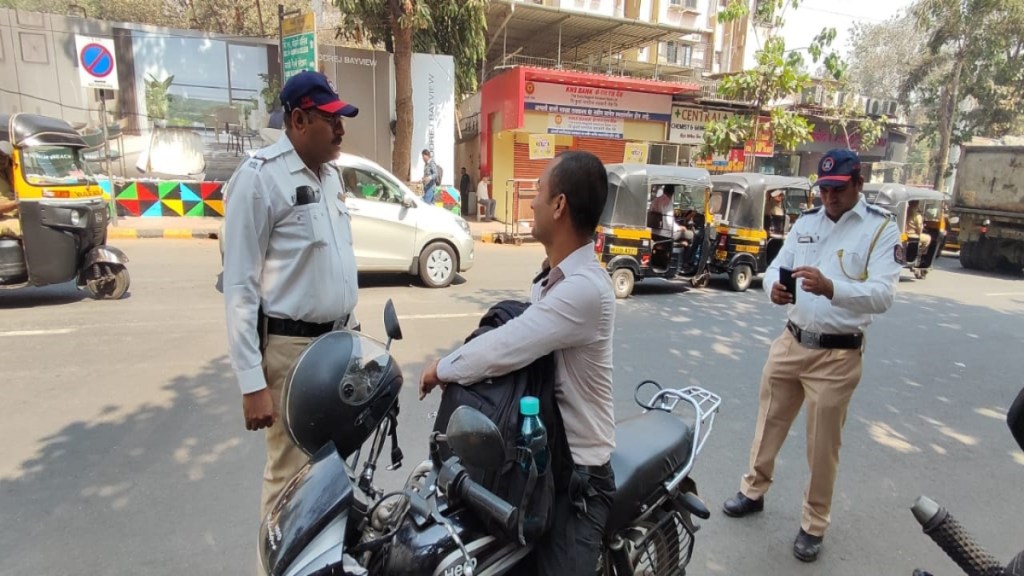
953, 538
329, 520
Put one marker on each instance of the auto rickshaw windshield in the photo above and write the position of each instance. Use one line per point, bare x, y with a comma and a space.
55, 165
689, 197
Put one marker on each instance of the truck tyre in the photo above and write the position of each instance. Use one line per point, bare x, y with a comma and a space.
967, 255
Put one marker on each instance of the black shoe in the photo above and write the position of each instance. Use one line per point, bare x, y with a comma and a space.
740, 506
806, 547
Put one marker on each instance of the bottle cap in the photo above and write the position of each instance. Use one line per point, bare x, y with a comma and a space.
529, 405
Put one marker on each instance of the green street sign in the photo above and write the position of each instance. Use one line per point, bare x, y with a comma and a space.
298, 44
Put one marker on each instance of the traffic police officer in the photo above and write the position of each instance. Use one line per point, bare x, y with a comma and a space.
289, 268
846, 257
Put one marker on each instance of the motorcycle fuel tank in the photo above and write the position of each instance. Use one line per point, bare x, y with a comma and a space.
305, 530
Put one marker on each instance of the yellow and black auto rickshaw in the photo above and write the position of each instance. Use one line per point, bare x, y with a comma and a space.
61, 210
624, 241
752, 215
904, 201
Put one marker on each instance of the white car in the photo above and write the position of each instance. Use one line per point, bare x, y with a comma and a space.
394, 230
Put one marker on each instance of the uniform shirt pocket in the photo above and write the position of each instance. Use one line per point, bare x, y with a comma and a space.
852, 264
304, 225
343, 219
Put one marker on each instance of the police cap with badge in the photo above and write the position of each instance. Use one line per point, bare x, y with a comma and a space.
312, 90
837, 167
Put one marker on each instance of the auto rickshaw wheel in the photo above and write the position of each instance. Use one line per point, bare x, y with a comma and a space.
741, 277
108, 281
622, 282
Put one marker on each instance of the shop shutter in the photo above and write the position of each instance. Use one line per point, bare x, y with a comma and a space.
526, 168
608, 150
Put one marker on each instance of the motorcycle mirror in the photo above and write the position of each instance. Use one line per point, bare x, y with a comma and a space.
475, 438
391, 326
1015, 419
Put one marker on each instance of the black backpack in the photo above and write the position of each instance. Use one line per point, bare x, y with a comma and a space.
498, 398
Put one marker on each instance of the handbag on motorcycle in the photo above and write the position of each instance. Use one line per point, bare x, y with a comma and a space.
518, 480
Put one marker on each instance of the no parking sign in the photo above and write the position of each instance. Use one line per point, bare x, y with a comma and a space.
97, 66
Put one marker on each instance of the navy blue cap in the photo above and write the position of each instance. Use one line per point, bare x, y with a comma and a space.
309, 89
837, 166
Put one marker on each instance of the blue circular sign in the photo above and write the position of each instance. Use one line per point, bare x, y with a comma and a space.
97, 60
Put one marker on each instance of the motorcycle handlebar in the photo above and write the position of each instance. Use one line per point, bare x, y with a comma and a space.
954, 539
486, 503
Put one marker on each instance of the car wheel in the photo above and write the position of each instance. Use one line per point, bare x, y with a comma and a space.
622, 282
437, 265
740, 278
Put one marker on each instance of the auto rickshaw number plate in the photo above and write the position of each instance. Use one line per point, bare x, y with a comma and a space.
623, 250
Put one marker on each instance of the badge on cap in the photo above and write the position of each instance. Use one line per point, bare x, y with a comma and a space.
898, 254
828, 164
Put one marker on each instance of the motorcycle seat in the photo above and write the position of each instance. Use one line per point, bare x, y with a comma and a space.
648, 449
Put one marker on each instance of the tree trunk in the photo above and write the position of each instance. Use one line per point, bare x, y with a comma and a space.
401, 152
947, 118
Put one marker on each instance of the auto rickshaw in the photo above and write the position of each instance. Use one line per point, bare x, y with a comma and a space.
61, 209
748, 234
624, 242
898, 198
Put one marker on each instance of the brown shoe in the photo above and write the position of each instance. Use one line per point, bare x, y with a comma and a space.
807, 547
740, 506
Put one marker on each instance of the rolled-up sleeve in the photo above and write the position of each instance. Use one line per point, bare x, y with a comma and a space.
246, 237
876, 294
568, 316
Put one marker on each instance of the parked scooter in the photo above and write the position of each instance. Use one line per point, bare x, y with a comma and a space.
953, 538
344, 388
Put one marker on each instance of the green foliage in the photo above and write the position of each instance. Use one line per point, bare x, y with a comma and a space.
157, 97
777, 74
271, 91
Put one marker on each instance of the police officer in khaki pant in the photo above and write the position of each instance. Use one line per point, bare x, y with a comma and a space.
846, 257
289, 268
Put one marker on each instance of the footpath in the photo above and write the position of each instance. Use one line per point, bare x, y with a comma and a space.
183, 228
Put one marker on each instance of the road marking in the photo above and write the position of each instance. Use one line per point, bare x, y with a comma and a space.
991, 294
440, 316
38, 332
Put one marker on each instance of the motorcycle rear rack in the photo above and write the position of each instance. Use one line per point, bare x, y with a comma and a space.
705, 405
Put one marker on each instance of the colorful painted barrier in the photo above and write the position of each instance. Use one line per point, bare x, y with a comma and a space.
168, 198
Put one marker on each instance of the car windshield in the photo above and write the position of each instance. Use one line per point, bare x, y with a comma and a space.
54, 165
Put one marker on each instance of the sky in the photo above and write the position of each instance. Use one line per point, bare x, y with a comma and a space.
806, 21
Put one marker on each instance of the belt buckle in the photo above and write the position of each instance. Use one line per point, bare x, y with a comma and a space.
810, 339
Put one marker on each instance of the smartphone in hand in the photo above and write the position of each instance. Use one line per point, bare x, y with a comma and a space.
787, 280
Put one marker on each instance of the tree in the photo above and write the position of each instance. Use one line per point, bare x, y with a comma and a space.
448, 26
970, 72
778, 74
882, 56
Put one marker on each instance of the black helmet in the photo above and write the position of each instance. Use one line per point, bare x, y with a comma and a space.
340, 389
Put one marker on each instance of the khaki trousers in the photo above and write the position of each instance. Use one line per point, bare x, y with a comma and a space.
826, 379
284, 458
10, 227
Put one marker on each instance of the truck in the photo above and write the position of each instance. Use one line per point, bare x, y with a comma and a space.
988, 200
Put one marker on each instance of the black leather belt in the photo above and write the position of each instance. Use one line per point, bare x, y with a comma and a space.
298, 328
825, 341
601, 470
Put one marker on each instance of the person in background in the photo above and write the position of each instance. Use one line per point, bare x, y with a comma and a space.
465, 185
484, 199
10, 222
430, 177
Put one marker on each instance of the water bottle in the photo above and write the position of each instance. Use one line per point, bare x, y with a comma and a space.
532, 434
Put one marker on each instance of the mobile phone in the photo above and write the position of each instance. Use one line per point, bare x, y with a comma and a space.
787, 280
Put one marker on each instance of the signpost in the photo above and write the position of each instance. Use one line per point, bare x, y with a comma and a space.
298, 43
97, 69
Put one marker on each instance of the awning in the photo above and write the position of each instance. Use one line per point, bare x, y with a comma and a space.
546, 32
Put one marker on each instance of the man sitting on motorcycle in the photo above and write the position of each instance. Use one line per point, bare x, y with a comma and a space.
573, 315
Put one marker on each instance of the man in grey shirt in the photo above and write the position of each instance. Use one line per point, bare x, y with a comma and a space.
572, 314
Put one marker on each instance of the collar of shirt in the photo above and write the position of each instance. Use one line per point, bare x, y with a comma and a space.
569, 266
284, 148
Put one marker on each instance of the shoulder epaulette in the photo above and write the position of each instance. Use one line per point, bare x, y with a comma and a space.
814, 210
878, 211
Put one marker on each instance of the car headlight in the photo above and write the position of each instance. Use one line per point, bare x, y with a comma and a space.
465, 226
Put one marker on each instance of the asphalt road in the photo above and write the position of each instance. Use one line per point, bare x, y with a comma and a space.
125, 451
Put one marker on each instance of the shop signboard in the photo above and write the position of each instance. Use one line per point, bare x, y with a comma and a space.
573, 100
